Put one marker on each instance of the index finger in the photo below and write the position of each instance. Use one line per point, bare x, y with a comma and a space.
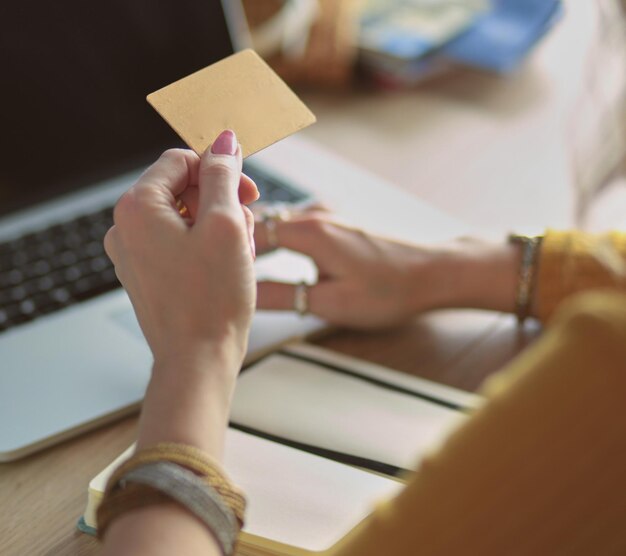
172, 173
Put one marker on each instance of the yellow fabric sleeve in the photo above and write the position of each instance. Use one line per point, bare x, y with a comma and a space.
574, 261
540, 469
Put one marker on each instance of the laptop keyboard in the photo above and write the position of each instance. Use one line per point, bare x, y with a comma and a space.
274, 190
50, 269
47, 270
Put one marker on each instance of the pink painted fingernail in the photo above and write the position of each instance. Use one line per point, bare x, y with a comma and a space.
226, 143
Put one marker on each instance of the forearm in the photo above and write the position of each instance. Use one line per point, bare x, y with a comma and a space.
191, 281
187, 401
470, 273
481, 275
163, 529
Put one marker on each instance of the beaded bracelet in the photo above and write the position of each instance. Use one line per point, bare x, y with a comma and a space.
526, 281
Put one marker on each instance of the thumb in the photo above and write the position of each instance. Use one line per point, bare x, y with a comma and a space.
220, 172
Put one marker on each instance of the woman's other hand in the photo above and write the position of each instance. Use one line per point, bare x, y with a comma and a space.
365, 281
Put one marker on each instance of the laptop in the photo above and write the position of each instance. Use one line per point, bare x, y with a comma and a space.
76, 133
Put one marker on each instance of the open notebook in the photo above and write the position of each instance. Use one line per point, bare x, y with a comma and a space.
316, 439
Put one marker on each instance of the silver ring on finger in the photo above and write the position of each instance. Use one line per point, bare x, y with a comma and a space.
301, 298
270, 219
270, 231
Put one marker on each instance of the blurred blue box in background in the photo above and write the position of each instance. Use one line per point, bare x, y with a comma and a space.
403, 41
502, 37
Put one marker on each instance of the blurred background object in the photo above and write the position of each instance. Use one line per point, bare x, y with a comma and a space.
395, 43
398, 40
536, 140
308, 42
402, 42
598, 128
282, 28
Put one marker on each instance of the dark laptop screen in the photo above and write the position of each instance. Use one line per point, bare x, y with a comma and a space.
74, 75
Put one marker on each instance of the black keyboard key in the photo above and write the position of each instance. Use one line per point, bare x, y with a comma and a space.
18, 293
36, 268
90, 286
19, 258
94, 249
12, 314
46, 249
73, 273
10, 277
27, 308
46, 283
31, 287
73, 240
9, 312
61, 295
99, 230
99, 264
63, 259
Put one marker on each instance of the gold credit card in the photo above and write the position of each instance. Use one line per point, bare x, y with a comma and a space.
241, 93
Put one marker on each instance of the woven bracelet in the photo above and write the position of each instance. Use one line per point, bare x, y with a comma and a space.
526, 280
190, 458
154, 483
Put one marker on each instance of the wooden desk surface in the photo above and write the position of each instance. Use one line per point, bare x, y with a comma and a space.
454, 143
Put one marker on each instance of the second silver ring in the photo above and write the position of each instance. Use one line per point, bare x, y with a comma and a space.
301, 298
270, 219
